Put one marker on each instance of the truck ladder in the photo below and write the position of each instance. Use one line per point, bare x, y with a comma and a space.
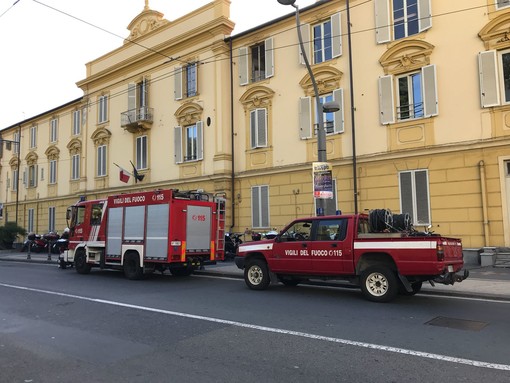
220, 225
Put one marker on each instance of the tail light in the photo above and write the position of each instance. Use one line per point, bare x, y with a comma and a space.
440, 252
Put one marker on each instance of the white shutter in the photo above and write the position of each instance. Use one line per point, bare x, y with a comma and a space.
261, 127
305, 35
144, 93
382, 21
131, 99
255, 206
178, 83
430, 103
338, 117
425, 16
336, 31
178, 144
200, 140
305, 117
36, 174
488, 71
386, 103
243, 66
421, 182
268, 46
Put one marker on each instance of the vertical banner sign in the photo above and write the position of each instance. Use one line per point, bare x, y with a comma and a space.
322, 180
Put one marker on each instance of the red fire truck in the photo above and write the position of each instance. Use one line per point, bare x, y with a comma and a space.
144, 232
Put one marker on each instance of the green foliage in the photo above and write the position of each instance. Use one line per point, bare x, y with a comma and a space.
8, 234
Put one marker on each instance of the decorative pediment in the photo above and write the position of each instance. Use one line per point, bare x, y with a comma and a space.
189, 114
101, 136
52, 153
257, 97
406, 56
74, 146
327, 79
13, 163
144, 23
496, 34
31, 158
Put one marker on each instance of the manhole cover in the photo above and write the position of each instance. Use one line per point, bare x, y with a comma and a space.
459, 324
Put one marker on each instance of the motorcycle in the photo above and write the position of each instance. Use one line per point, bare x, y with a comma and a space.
232, 242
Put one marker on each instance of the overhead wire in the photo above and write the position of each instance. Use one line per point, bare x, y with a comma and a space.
8, 9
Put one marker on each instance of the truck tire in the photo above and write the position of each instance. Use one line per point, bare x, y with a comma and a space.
256, 274
379, 284
80, 263
132, 269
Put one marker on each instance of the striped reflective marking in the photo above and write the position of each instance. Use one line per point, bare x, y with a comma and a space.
395, 245
183, 251
265, 246
212, 251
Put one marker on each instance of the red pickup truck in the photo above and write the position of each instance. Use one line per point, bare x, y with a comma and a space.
344, 248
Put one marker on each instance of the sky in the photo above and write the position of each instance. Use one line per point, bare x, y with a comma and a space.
38, 75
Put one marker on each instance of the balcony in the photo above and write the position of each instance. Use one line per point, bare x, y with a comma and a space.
135, 119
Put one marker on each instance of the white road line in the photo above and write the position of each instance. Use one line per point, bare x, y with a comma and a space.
397, 350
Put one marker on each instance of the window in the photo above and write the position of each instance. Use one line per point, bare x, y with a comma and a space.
331, 230
397, 19
326, 39
53, 130
186, 81
300, 231
53, 172
416, 95
16, 139
51, 218
75, 167
103, 109
258, 128
101, 161
30, 228
15, 180
494, 77
32, 176
33, 137
138, 101
502, 4
97, 213
256, 63
410, 100
414, 196
141, 153
76, 122
189, 143
260, 206
333, 121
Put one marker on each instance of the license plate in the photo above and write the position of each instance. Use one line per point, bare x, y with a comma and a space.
450, 268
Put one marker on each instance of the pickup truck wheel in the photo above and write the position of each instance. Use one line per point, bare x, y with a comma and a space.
80, 263
379, 284
132, 269
256, 275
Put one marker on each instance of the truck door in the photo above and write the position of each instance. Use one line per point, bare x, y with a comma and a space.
291, 249
329, 246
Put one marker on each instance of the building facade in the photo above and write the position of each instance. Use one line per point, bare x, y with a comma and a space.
192, 106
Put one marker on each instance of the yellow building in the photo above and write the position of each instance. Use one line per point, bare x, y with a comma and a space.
194, 107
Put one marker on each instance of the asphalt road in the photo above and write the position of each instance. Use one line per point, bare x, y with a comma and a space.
58, 326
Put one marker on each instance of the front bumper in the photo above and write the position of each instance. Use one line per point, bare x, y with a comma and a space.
449, 278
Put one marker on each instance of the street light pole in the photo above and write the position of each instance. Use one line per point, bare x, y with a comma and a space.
331, 107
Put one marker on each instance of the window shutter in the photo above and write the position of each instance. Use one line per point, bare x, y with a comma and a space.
261, 127
422, 197
243, 66
305, 117
305, 35
488, 70
264, 206
144, 93
386, 103
131, 100
36, 174
382, 21
200, 140
336, 31
178, 144
338, 117
268, 46
25, 177
406, 194
255, 206
430, 103
178, 83
425, 16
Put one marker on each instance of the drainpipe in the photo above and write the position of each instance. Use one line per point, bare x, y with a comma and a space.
232, 134
481, 166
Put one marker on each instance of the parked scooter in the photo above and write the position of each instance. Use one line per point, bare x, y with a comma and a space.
232, 242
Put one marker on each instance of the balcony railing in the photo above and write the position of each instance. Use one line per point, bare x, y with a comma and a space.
139, 116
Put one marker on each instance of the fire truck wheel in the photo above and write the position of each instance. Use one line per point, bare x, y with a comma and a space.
80, 263
379, 284
132, 269
256, 274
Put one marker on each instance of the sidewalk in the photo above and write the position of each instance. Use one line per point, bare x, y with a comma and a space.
483, 282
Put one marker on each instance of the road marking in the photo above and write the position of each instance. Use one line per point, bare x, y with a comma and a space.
397, 350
